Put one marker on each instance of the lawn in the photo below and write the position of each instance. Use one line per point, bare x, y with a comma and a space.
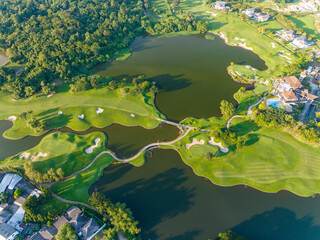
76, 188
64, 150
290, 165
306, 23
128, 110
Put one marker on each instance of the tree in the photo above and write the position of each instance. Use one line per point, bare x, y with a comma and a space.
17, 193
4, 197
227, 108
66, 232
229, 235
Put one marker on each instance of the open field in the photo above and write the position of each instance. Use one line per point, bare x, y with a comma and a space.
76, 188
291, 164
232, 27
62, 150
306, 23
117, 109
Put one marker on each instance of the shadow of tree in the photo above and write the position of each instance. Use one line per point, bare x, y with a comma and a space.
278, 224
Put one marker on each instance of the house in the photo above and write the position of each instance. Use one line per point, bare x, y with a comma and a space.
219, 5
249, 12
73, 212
301, 43
90, 228
4, 216
304, 94
286, 34
59, 222
6, 181
16, 178
49, 232
288, 97
36, 236
21, 199
292, 81
261, 17
303, 75
7, 232
17, 219
317, 77
78, 222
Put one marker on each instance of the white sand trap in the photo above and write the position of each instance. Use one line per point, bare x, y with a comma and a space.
90, 149
50, 95
81, 116
223, 36
99, 110
280, 55
212, 14
132, 115
244, 45
24, 155
289, 62
60, 112
40, 154
273, 45
250, 67
194, 142
12, 118
222, 149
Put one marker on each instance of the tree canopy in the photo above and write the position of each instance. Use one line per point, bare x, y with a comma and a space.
66, 232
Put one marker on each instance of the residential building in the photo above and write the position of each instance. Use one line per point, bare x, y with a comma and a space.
16, 178
219, 5
288, 97
7, 232
59, 222
301, 43
17, 219
21, 199
89, 228
286, 34
249, 12
78, 222
6, 181
261, 17
293, 82
4, 216
36, 236
73, 212
49, 232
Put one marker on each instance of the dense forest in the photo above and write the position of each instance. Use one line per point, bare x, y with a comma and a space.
59, 39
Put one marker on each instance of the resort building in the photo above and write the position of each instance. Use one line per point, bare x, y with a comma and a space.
249, 12
90, 228
286, 34
7, 232
288, 97
301, 43
261, 17
292, 81
220, 5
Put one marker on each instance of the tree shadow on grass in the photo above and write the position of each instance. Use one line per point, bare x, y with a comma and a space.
278, 224
245, 127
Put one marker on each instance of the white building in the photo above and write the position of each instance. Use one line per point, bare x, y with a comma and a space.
16, 178
7, 232
249, 12
220, 5
6, 181
301, 43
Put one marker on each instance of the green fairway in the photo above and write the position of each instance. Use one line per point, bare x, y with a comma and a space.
129, 110
76, 188
63, 150
270, 161
306, 23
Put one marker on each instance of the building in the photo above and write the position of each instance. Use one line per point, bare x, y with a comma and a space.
301, 43
78, 222
36, 236
49, 232
305, 95
292, 81
261, 17
249, 12
21, 199
6, 181
288, 97
59, 222
286, 34
90, 228
16, 178
7, 232
219, 5
73, 212
17, 219
4, 216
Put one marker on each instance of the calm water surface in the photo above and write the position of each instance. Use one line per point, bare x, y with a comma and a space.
190, 70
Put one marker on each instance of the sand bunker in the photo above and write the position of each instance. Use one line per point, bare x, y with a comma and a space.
222, 149
81, 116
50, 95
194, 142
24, 155
99, 110
273, 45
132, 115
40, 154
90, 149
60, 112
280, 55
244, 45
12, 118
212, 14
223, 36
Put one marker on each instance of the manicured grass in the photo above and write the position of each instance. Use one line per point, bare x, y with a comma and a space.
117, 109
54, 205
64, 150
76, 188
233, 27
306, 23
271, 161
245, 99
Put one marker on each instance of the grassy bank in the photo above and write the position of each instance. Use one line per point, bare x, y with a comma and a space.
128, 110
289, 165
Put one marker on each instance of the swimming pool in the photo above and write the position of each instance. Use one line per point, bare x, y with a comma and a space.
274, 103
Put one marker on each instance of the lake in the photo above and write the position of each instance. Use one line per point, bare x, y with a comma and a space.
191, 72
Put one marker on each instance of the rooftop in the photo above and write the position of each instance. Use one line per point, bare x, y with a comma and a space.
293, 82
